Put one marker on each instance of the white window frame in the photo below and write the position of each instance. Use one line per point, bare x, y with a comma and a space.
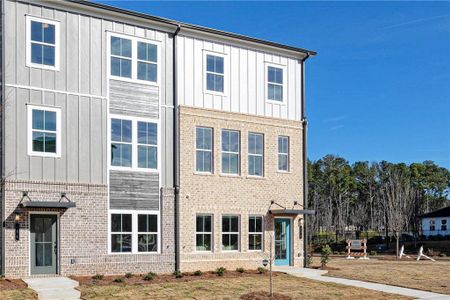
204, 150
442, 224
285, 154
135, 144
134, 58
204, 233
147, 232
134, 231
30, 64
255, 232
254, 154
432, 222
225, 73
231, 232
266, 83
57, 110
230, 152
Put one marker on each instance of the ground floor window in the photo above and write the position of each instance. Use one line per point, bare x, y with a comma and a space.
255, 233
230, 233
432, 225
203, 235
134, 231
444, 224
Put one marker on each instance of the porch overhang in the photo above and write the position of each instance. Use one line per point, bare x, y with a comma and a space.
292, 211
47, 204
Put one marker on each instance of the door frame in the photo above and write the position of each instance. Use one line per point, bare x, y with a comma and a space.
58, 215
291, 240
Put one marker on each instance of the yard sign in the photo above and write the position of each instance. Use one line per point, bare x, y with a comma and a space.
357, 245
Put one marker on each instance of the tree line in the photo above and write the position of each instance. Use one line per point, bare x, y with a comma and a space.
381, 196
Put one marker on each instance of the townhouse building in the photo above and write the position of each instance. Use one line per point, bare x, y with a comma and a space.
132, 143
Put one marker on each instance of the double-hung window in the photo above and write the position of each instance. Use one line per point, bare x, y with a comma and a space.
134, 143
133, 59
215, 73
255, 233
255, 154
203, 234
230, 151
147, 233
230, 233
203, 149
121, 233
283, 153
121, 142
444, 224
44, 131
432, 225
42, 43
275, 84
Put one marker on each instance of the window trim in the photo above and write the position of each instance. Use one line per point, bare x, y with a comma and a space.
266, 83
57, 110
253, 154
205, 232
432, 222
225, 73
444, 223
134, 230
254, 232
230, 152
231, 232
56, 23
134, 143
204, 150
134, 58
288, 154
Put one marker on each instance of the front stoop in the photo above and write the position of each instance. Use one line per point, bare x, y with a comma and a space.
54, 288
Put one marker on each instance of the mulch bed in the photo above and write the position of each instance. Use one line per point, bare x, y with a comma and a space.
12, 284
325, 268
264, 296
138, 279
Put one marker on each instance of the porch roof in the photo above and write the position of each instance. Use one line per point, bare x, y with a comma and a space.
285, 211
47, 204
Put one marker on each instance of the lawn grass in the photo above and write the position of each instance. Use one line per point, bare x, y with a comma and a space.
17, 294
231, 288
423, 275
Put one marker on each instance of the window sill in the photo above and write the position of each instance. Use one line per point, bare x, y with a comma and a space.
256, 177
202, 252
204, 173
44, 154
116, 168
276, 102
230, 175
133, 80
284, 172
43, 67
213, 93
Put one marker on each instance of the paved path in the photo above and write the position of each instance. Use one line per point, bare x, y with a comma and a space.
317, 275
54, 288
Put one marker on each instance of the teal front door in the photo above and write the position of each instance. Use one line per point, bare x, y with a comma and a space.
282, 242
43, 244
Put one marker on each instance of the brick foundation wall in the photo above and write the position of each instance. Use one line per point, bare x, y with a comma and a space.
83, 232
241, 195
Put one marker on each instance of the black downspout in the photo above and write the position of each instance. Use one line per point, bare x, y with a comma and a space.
305, 166
176, 152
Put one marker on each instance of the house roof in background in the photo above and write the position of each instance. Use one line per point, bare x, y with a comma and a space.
443, 212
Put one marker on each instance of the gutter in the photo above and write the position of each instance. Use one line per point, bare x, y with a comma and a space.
305, 164
176, 150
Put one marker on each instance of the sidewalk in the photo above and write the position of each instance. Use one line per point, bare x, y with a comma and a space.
317, 275
54, 288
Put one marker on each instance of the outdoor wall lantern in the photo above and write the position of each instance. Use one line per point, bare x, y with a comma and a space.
17, 225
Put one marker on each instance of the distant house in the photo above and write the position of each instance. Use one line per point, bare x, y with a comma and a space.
436, 222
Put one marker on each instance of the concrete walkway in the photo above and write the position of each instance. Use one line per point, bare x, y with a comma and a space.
317, 275
54, 288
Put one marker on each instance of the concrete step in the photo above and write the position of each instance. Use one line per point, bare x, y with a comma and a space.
54, 288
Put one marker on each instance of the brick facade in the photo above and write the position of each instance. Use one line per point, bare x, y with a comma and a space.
83, 232
241, 195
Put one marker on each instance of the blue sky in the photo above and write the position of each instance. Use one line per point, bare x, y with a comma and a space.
379, 88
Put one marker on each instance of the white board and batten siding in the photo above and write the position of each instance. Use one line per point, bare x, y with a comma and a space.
245, 79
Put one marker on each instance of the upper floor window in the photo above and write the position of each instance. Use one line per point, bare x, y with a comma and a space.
432, 225
42, 43
203, 149
133, 59
230, 151
215, 73
255, 154
283, 153
44, 131
275, 84
444, 224
134, 143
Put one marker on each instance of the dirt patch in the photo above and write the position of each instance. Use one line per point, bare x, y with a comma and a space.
325, 268
264, 296
163, 278
12, 284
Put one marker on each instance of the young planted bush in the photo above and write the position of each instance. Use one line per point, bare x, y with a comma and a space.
198, 273
325, 255
220, 271
128, 275
262, 270
97, 277
373, 253
240, 270
149, 276
118, 280
178, 274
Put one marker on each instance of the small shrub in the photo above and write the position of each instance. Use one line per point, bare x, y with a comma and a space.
97, 277
118, 280
442, 254
240, 270
220, 271
373, 253
262, 270
178, 274
325, 255
149, 276
198, 273
128, 275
